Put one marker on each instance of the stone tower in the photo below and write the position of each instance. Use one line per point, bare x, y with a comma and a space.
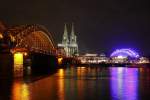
69, 44
73, 43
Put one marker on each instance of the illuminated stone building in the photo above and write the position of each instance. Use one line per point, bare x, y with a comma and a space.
89, 58
103, 58
69, 44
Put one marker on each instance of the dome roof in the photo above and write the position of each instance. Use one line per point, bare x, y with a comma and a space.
125, 53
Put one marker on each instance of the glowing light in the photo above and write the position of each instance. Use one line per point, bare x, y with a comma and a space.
12, 38
125, 53
143, 60
18, 58
121, 57
1, 36
82, 67
60, 60
61, 73
18, 64
25, 54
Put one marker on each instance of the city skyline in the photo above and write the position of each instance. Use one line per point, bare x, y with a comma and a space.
111, 25
75, 49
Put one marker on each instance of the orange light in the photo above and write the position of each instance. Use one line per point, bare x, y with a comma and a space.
60, 60
1, 36
82, 67
25, 54
61, 72
20, 91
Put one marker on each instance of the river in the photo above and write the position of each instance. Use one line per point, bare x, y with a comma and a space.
81, 83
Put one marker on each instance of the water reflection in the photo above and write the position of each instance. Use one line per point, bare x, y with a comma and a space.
20, 91
61, 73
83, 83
61, 84
124, 83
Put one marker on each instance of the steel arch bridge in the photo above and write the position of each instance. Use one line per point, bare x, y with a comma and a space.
33, 38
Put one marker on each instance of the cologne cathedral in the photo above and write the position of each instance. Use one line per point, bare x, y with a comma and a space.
69, 44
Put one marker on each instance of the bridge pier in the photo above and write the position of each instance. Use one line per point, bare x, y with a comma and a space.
6, 62
42, 63
14, 65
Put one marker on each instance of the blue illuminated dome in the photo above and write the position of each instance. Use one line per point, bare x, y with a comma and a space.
124, 53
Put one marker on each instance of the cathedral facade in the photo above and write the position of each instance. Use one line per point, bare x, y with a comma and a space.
69, 44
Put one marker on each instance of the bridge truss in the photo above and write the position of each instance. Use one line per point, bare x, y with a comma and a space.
33, 38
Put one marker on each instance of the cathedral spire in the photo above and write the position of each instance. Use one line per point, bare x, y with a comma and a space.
72, 36
72, 30
70, 47
65, 35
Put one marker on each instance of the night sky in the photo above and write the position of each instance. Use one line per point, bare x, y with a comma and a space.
100, 25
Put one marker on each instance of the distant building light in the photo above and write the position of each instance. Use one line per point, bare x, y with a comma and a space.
143, 60
90, 54
60, 60
102, 55
1, 36
121, 57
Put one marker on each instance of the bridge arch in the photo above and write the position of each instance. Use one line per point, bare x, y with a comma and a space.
34, 38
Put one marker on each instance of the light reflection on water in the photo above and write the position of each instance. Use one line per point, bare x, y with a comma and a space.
124, 83
86, 83
21, 91
61, 84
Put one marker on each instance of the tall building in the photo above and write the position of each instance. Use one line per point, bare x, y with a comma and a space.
69, 44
